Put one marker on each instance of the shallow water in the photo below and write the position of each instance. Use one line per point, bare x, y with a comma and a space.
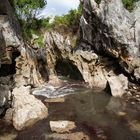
95, 113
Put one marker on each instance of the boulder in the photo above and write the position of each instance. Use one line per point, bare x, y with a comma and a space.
27, 110
118, 84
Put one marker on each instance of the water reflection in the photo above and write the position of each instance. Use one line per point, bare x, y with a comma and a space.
95, 114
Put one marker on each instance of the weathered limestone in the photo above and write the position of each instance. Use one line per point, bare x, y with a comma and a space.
10, 40
118, 84
31, 68
10, 33
97, 71
27, 110
62, 126
110, 29
57, 48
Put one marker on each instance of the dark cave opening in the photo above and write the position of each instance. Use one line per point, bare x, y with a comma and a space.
43, 69
67, 69
9, 69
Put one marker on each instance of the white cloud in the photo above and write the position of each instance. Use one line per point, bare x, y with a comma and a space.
58, 7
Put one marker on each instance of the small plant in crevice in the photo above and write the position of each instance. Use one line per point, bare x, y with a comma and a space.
38, 41
129, 4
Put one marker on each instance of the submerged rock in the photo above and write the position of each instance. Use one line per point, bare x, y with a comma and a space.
135, 126
7, 136
62, 126
27, 110
68, 136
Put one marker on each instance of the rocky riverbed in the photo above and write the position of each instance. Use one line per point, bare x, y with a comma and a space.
81, 114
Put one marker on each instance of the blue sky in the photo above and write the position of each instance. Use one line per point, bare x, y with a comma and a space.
58, 7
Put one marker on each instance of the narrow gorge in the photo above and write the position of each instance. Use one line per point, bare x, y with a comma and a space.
81, 85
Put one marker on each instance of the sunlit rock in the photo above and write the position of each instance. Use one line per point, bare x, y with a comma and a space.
27, 110
62, 126
118, 84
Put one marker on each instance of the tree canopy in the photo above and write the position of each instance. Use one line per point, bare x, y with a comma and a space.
27, 9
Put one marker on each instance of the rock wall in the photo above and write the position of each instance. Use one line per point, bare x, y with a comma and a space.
21, 68
31, 68
97, 71
110, 29
11, 41
10, 36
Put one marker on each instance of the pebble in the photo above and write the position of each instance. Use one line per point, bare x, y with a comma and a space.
137, 96
133, 103
134, 87
129, 93
121, 113
138, 100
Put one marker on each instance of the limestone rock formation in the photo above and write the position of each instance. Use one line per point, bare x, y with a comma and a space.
27, 110
62, 126
110, 29
81, 62
30, 65
10, 33
10, 41
118, 84
31, 68
20, 65
95, 70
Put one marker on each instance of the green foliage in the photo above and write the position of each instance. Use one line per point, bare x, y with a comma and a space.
129, 4
27, 9
70, 20
39, 41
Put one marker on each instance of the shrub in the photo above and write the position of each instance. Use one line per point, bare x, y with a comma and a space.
129, 4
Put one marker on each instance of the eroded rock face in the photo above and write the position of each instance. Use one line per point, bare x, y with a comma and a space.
58, 48
10, 35
31, 68
20, 66
27, 110
10, 41
5, 98
97, 71
110, 29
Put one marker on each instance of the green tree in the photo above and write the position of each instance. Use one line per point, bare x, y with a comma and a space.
27, 11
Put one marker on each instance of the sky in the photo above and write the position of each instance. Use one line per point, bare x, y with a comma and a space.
58, 7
